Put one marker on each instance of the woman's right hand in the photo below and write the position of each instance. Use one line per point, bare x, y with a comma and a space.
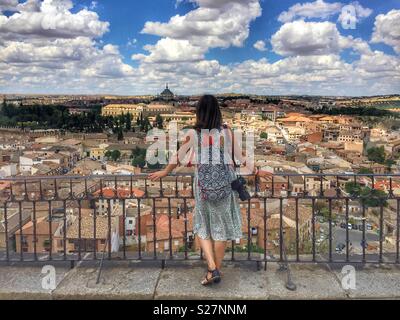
158, 175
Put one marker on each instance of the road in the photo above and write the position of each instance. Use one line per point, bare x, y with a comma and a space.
355, 236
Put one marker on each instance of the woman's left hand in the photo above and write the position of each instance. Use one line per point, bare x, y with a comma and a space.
158, 175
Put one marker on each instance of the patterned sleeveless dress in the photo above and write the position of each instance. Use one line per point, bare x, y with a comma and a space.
217, 220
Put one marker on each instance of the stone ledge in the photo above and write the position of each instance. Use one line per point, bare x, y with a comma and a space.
135, 281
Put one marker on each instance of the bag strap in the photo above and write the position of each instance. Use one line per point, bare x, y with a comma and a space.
235, 165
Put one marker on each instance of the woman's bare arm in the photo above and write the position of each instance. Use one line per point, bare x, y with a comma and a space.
173, 164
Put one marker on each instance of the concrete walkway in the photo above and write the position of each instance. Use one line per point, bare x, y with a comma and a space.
124, 280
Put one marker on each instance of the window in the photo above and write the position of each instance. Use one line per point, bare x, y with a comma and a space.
166, 245
176, 243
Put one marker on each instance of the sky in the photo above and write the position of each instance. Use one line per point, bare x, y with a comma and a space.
135, 47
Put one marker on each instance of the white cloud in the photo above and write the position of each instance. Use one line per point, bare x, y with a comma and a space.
33, 56
320, 9
387, 29
54, 19
8, 4
317, 9
260, 45
171, 50
212, 24
307, 38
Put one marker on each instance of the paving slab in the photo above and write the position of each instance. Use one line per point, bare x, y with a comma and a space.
178, 283
383, 283
122, 283
312, 282
26, 283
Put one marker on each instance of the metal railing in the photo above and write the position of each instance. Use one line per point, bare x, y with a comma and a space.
291, 218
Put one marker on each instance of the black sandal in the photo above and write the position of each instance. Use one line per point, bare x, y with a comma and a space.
215, 278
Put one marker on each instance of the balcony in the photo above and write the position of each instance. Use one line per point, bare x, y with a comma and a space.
292, 220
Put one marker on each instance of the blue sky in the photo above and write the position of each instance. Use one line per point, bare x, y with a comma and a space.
198, 46
128, 19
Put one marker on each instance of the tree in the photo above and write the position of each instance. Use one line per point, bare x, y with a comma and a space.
114, 155
139, 157
389, 164
120, 135
365, 171
264, 135
145, 125
128, 122
139, 161
376, 154
368, 197
159, 121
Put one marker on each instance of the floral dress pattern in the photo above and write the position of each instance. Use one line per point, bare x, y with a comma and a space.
217, 220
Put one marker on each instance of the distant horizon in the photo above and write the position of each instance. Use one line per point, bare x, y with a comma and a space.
195, 95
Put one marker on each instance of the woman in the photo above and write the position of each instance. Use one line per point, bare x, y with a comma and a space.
217, 221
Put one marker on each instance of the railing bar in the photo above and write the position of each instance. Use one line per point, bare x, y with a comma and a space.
391, 188
347, 230
101, 202
131, 193
281, 240
6, 232
330, 229
192, 185
170, 227
80, 229
363, 233
265, 233
65, 230
313, 231
297, 230
109, 228
321, 190
154, 230
186, 227
26, 191
21, 237
398, 233
139, 231
249, 236
55, 189
50, 217
70, 190
273, 186
124, 226
34, 231
40, 190
337, 187
381, 235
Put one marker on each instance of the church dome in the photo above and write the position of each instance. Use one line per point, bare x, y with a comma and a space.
167, 93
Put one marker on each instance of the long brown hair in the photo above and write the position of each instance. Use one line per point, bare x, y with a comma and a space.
208, 113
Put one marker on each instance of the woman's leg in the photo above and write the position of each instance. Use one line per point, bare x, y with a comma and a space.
207, 247
219, 251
